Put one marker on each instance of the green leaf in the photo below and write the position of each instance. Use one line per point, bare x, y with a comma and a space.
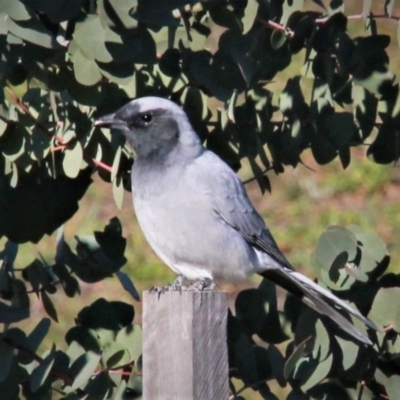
297, 353
336, 6
114, 355
131, 338
277, 363
6, 359
258, 174
38, 334
320, 373
72, 161
116, 162
9, 388
39, 206
41, 372
94, 264
385, 309
10, 314
392, 386
48, 306
14, 143
20, 298
389, 4
366, 8
117, 12
111, 240
118, 191
386, 147
297, 394
120, 73
129, 47
5, 282
127, 284
373, 251
87, 338
333, 242
250, 310
36, 275
120, 393
322, 343
14, 178
75, 351
377, 82
15, 337
112, 315
323, 149
57, 10
278, 39
71, 286
170, 63
222, 16
365, 108
257, 310
86, 70
231, 106
89, 35
3, 126
15, 10
99, 386
83, 368
349, 352
341, 128
33, 31
290, 7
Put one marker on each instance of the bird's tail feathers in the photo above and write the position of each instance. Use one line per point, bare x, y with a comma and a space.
319, 299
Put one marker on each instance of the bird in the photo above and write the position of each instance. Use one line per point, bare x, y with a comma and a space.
196, 215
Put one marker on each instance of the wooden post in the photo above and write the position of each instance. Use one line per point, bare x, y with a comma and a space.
185, 353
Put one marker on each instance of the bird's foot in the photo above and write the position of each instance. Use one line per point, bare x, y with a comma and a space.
201, 285
176, 285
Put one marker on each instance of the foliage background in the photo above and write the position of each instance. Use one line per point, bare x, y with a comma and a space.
304, 201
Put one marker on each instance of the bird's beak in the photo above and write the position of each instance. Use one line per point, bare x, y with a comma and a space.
109, 121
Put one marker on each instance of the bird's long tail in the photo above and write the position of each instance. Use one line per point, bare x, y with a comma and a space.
319, 299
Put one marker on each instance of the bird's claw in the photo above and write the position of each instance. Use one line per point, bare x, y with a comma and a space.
177, 285
201, 285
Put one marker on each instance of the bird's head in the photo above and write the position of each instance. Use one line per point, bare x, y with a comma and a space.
152, 126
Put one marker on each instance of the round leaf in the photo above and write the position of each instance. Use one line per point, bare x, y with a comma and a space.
332, 243
385, 309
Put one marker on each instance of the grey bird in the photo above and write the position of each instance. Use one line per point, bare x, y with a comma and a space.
196, 215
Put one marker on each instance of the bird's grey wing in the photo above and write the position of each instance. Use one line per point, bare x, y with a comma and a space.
236, 210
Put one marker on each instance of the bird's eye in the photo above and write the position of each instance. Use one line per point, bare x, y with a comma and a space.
146, 118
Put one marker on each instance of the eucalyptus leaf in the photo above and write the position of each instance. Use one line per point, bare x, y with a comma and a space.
10, 314
336, 240
90, 37
41, 372
294, 358
83, 368
49, 306
385, 309
34, 31
86, 70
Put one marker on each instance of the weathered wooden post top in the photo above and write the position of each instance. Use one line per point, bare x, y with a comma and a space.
185, 353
